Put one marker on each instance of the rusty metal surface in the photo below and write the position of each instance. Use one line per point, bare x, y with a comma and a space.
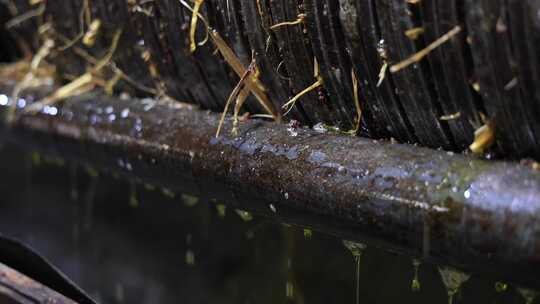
481, 216
18, 288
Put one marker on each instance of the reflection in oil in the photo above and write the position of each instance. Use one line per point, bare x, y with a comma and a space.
415, 283
173, 248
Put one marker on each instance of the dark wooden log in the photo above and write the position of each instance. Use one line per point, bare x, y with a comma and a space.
481, 216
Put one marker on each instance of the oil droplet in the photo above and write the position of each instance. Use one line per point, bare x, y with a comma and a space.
149, 187
501, 287
124, 113
320, 128
244, 215
452, 279
289, 290
4, 100
53, 111
133, 201
221, 210
308, 233
190, 258
289, 286
415, 284
190, 200
21, 103
190, 255
167, 192
528, 295
382, 49
356, 250
292, 131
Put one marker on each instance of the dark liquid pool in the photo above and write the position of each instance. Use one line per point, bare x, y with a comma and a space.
125, 242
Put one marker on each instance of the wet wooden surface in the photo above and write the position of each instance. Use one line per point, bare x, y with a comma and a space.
448, 208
